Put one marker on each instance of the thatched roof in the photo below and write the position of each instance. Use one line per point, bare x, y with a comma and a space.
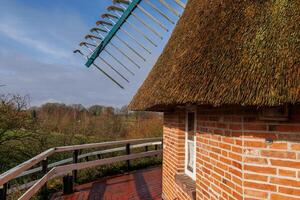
237, 52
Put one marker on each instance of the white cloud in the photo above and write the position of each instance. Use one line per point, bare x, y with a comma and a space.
18, 35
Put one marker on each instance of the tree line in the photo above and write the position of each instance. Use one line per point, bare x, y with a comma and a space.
26, 131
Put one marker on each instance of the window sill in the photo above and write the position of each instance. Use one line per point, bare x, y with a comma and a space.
187, 184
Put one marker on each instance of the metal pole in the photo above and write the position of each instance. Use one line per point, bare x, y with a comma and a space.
106, 74
182, 5
114, 69
152, 18
113, 45
126, 44
147, 14
92, 37
169, 7
147, 26
159, 11
118, 61
139, 31
132, 37
91, 50
117, 9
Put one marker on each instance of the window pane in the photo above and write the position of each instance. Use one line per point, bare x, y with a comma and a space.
190, 158
191, 126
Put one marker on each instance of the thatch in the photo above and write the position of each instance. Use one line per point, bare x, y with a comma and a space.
237, 52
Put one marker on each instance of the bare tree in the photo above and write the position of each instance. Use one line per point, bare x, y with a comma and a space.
16, 123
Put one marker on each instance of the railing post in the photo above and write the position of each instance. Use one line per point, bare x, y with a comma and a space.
44, 190
3, 191
75, 160
146, 148
68, 184
156, 147
128, 153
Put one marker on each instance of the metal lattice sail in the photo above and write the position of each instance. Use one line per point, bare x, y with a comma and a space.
113, 22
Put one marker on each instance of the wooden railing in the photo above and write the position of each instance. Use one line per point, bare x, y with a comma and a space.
58, 169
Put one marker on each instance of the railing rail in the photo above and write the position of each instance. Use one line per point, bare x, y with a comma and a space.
58, 170
95, 153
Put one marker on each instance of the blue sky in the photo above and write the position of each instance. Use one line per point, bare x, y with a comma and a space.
36, 43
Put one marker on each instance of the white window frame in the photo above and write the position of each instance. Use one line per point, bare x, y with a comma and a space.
186, 170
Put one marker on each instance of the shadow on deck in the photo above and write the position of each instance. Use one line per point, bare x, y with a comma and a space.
138, 185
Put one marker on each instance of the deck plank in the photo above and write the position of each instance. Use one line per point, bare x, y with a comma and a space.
139, 185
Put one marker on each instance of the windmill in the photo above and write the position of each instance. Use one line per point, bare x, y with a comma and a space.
139, 41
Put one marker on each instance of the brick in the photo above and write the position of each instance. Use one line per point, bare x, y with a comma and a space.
228, 140
239, 142
222, 125
233, 118
260, 135
222, 166
235, 126
295, 147
225, 146
236, 172
255, 127
260, 186
289, 137
279, 146
285, 182
282, 197
290, 173
255, 177
235, 156
278, 154
263, 170
237, 149
257, 194
256, 160
290, 191
237, 164
288, 128
285, 163
236, 134
237, 196
225, 160
257, 144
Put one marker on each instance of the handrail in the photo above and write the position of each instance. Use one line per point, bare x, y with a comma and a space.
16, 171
103, 144
62, 170
95, 153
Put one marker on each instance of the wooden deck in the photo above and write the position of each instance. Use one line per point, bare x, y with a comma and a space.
139, 185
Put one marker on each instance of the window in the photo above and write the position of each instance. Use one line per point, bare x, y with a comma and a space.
190, 145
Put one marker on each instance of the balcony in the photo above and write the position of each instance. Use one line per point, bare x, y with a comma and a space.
138, 184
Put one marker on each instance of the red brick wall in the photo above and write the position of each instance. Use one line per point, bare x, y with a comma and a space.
234, 161
173, 162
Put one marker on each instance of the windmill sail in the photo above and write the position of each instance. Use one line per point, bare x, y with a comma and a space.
143, 37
